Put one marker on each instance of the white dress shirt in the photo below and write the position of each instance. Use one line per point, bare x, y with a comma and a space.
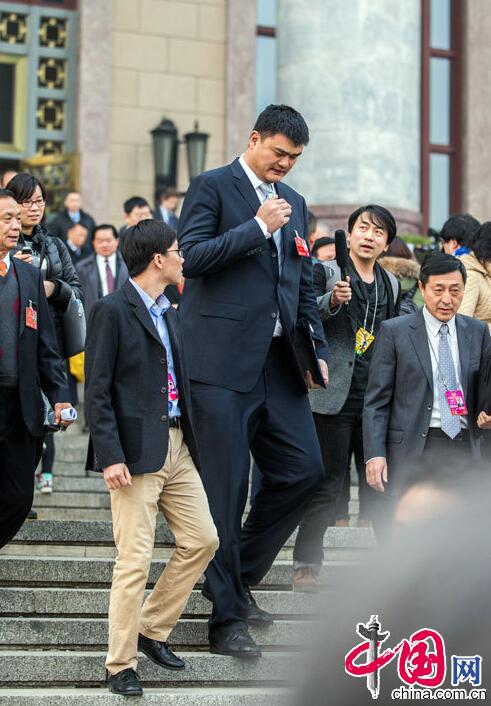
256, 183
432, 330
101, 266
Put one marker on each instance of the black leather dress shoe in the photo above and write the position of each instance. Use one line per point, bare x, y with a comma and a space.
125, 683
256, 615
160, 653
237, 643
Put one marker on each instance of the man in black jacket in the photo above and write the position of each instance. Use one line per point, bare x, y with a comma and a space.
352, 313
138, 410
71, 215
28, 363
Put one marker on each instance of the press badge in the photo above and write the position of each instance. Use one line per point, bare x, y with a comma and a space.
364, 340
31, 316
302, 247
456, 402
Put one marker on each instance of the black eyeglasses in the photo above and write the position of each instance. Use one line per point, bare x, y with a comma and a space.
179, 252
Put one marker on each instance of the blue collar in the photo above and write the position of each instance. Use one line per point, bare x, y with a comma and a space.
157, 307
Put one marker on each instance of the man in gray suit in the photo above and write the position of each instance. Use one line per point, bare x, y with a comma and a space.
104, 271
351, 314
420, 403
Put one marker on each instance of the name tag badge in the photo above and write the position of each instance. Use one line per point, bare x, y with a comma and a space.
302, 247
31, 316
172, 395
456, 402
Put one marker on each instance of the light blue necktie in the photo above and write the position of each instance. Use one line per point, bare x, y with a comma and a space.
446, 372
267, 191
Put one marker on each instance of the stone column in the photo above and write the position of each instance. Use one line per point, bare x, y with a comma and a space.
476, 99
240, 85
353, 69
94, 103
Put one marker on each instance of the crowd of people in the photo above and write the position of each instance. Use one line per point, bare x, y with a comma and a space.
229, 332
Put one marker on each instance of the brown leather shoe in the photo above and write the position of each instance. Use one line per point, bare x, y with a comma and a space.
305, 580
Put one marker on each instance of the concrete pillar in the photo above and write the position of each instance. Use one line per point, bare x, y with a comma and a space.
476, 98
353, 69
94, 103
241, 65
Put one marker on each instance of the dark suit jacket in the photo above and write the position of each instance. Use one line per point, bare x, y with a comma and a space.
88, 274
40, 366
85, 251
126, 385
399, 397
61, 224
232, 293
173, 219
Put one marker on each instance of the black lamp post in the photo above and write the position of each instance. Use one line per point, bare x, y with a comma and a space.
165, 154
196, 143
165, 141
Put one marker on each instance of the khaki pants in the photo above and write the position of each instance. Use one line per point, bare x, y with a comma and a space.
178, 492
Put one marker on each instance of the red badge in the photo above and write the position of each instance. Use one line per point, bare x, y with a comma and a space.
302, 247
456, 402
31, 317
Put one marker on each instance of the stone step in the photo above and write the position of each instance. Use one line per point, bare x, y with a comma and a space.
68, 500
72, 468
100, 532
40, 601
77, 668
15, 571
71, 513
79, 633
78, 484
191, 696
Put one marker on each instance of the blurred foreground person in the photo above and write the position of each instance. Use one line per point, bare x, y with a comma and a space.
138, 410
433, 576
421, 396
29, 362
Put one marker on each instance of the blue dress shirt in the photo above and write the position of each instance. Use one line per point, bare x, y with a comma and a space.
157, 310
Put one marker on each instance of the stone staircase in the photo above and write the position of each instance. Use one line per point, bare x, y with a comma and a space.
54, 592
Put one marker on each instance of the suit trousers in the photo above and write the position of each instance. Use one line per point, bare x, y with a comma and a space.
177, 491
336, 433
19, 452
274, 421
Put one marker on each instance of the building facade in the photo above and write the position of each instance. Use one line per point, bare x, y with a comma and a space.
396, 94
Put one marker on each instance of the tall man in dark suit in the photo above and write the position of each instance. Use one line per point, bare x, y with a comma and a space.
420, 403
104, 271
138, 409
28, 363
249, 283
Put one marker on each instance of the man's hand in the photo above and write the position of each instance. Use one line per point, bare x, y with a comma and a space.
275, 213
484, 420
57, 410
309, 380
376, 470
117, 476
341, 294
49, 288
23, 256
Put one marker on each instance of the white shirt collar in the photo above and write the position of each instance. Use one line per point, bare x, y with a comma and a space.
6, 259
253, 178
433, 324
111, 258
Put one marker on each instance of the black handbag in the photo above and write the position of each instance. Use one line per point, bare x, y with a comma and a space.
74, 327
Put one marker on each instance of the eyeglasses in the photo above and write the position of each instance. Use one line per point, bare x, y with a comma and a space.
39, 203
179, 252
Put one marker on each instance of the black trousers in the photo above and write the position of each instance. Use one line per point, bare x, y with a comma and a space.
274, 421
19, 453
335, 433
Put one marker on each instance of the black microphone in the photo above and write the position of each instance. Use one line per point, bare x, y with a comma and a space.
341, 253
